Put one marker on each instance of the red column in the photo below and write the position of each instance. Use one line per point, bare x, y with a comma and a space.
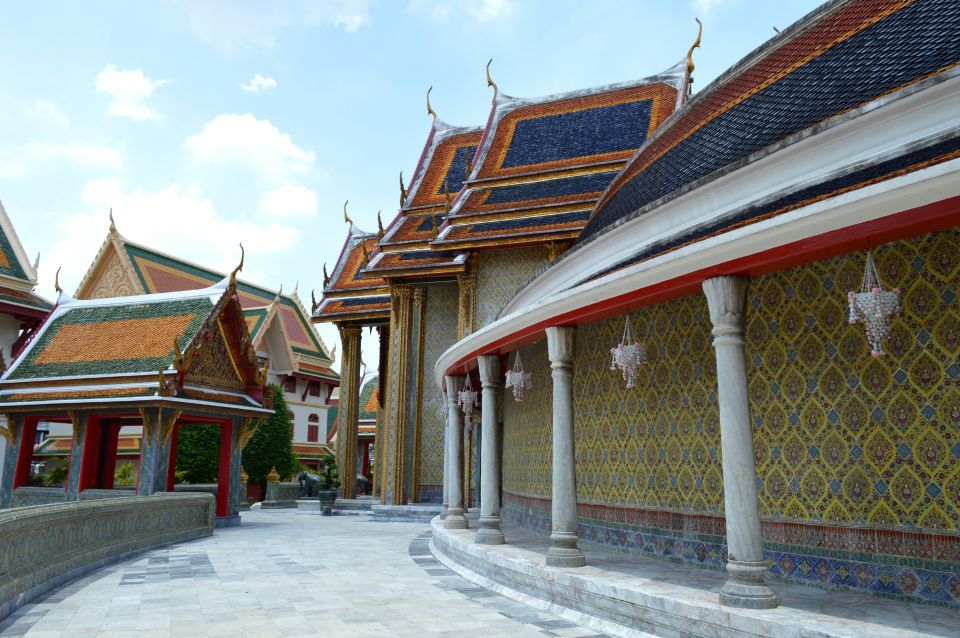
28, 434
90, 454
223, 471
365, 459
172, 464
108, 465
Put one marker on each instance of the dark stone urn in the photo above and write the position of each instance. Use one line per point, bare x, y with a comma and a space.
327, 499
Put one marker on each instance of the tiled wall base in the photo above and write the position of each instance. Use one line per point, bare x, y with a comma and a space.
430, 493
925, 569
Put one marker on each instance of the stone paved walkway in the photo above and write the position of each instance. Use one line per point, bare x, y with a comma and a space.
283, 575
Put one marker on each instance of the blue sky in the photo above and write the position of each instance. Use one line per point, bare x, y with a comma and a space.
207, 123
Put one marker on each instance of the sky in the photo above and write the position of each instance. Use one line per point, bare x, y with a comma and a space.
207, 123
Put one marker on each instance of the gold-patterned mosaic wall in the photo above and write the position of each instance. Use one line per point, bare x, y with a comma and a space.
656, 445
653, 446
844, 437
527, 429
500, 274
440, 332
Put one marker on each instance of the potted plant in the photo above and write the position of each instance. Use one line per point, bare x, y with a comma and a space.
329, 482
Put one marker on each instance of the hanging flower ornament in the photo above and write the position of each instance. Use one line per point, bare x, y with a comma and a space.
519, 380
468, 401
873, 307
629, 355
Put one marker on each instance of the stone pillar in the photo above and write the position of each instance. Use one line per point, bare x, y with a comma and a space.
22, 431
455, 518
446, 464
745, 586
79, 430
349, 410
490, 379
563, 550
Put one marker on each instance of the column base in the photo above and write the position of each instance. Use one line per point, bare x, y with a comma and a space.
746, 588
443, 511
455, 519
564, 552
489, 532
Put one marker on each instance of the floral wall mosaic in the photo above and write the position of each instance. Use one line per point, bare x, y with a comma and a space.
858, 457
500, 274
440, 332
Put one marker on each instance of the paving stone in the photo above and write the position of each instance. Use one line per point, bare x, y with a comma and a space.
282, 575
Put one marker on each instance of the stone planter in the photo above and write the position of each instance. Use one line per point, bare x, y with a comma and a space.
327, 498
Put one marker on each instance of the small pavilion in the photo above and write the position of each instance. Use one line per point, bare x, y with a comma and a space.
160, 361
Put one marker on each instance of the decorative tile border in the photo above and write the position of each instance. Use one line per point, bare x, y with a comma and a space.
924, 569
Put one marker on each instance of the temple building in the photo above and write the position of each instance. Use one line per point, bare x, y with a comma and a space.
157, 362
353, 303
718, 327
281, 332
21, 309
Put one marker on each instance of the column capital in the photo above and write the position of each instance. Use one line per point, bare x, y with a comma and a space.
350, 331
727, 301
453, 383
419, 296
490, 376
560, 344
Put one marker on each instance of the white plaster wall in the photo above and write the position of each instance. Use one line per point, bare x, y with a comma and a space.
303, 409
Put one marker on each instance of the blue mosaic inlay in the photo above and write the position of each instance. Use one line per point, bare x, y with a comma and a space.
603, 129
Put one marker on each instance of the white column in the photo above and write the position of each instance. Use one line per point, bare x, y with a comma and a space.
446, 464
563, 550
489, 532
745, 586
455, 518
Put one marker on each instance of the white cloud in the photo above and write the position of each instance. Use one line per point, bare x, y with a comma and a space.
259, 83
174, 219
78, 153
129, 90
479, 10
703, 7
47, 111
490, 9
236, 24
37, 157
257, 144
290, 200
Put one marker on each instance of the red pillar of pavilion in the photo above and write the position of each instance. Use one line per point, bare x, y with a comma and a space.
223, 471
28, 434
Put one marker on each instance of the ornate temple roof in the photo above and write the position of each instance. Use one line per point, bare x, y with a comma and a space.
841, 56
18, 277
124, 267
404, 249
347, 294
369, 401
542, 163
187, 348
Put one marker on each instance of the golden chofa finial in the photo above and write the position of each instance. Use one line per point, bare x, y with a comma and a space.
56, 282
346, 217
233, 275
696, 45
430, 110
380, 230
490, 82
313, 300
113, 225
326, 277
403, 191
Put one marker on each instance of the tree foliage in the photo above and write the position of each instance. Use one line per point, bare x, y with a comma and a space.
270, 446
198, 453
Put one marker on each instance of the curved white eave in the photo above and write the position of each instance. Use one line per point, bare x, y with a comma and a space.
926, 186
881, 127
